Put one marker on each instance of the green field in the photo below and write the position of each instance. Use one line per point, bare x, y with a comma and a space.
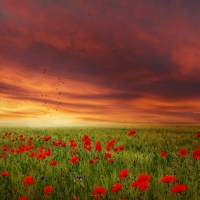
141, 155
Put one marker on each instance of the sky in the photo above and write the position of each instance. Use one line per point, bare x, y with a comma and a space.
75, 62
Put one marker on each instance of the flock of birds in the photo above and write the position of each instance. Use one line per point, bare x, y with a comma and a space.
58, 98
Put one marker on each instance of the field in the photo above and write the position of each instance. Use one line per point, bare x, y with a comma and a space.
100, 163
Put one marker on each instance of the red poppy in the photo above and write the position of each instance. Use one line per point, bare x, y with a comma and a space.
74, 198
99, 190
91, 162
143, 186
123, 198
116, 149
96, 158
143, 177
28, 180
196, 153
4, 173
48, 190
72, 143
123, 173
183, 152
121, 147
135, 183
163, 154
116, 187
47, 138
198, 135
179, 188
111, 160
41, 156
87, 147
23, 198
132, 132
168, 179
53, 162
98, 146
74, 159
107, 155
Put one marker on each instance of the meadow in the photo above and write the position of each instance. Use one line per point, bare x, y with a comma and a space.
131, 163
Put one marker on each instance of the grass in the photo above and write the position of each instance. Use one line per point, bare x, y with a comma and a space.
141, 155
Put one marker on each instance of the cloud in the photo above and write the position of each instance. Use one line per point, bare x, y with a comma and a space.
110, 55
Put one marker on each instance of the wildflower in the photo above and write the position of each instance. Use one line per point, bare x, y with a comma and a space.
196, 153
168, 179
135, 183
163, 154
183, 152
47, 138
42, 177
74, 198
111, 160
79, 177
107, 155
116, 187
179, 188
53, 162
198, 135
74, 159
123, 173
121, 147
98, 146
144, 177
132, 132
99, 190
23, 198
91, 162
143, 185
28, 180
5, 173
48, 190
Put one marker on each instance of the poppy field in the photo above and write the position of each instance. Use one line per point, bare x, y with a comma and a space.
82, 163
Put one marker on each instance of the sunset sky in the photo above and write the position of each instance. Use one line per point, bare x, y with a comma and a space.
109, 62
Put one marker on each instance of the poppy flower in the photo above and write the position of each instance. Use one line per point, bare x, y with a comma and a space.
98, 146
132, 132
121, 147
48, 190
74, 198
163, 154
168, 179
196, 153
111, 160
23, 198
183, 152
116, 149
4, 173
91, 162
107, 155
198, 135
143, 177
143, 186
123, 173
74, 159
28, 180
53, 162
179, 188
99, 190
135, 183
116, 187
